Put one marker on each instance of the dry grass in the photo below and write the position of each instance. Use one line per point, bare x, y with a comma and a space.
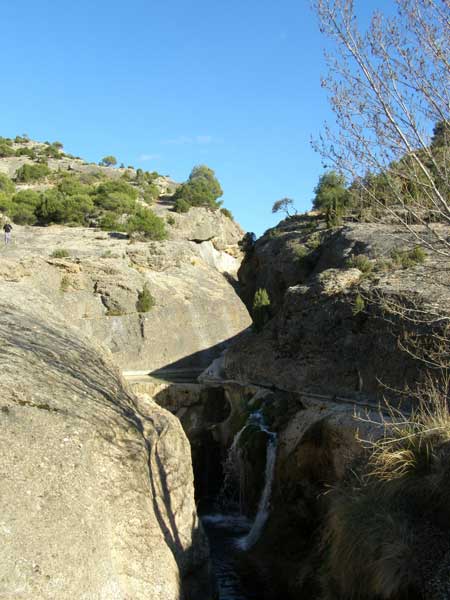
384, 516
411, 446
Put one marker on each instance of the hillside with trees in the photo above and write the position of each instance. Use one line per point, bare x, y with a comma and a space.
42, 185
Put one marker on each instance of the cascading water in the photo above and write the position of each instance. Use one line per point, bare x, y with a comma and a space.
254, 534
232, 533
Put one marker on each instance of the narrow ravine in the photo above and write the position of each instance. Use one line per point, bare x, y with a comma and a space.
230, 532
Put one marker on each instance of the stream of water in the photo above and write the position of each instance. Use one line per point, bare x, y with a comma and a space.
232, 534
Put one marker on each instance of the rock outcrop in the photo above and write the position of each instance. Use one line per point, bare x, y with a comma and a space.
96, 487
318, 337
195, 311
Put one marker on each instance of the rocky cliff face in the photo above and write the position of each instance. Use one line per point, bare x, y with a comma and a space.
196, 310
97, 494
328, 352
96, 490
321, 336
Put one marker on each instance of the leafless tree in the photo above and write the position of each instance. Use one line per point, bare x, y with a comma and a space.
388, 87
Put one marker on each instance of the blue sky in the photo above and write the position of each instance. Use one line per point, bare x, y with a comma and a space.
234, 84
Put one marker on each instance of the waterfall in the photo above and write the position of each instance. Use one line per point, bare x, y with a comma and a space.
235, 470
263, 507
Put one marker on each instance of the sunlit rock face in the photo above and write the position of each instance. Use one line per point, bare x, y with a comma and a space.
96, 493
97, 490
195, 311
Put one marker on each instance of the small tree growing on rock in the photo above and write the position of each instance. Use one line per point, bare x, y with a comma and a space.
145, 301
201, 189
261, 309
284, 205
108, 161
331, 197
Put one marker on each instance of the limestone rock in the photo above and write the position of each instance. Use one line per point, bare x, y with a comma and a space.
201, 225
196, 309
317, 338
96, 488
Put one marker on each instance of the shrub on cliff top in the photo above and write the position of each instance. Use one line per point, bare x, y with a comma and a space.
108, 161
201, 189
181, 206
227, 213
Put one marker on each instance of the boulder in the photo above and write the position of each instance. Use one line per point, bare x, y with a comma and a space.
96, 486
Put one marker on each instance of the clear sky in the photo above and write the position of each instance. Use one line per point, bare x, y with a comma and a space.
234, 84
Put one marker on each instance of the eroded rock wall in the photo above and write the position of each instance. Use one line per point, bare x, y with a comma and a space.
196, 309
96, 495
317, 337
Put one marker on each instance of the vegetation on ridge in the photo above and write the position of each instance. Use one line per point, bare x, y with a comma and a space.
201, 189
79, 198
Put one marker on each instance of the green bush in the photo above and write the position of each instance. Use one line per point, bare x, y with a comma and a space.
6, 149
359, 305
151, 176
30, 197
117, 196
116, 202
7, 189
108, 161
5, 203
300, 251
61, 253
332, 197
70, 185
170, 220
227, 213
23, 207
6, 185
361, 262
150, 193
145, 301
261, 309
417, 255
181, 206
110, 222
139, 177
30, 152
408, 258
59, 207
146, 223
34, 172
201, 189
52, 151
